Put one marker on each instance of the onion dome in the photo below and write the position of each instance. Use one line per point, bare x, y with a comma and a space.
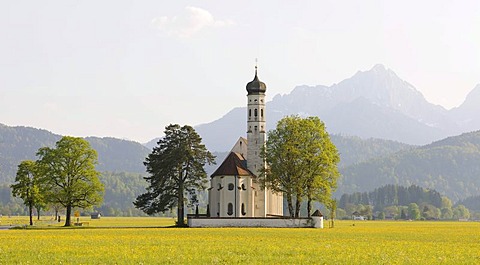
256, 86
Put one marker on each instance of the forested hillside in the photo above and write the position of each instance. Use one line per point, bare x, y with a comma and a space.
355, 150
450, 166
21, 143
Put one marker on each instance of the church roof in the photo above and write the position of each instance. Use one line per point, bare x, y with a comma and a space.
256, 86
233, 165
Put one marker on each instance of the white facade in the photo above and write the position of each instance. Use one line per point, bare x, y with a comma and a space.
234, 191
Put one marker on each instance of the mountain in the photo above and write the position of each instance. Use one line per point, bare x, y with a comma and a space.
21, 143
450, 166
468, 114
370, 104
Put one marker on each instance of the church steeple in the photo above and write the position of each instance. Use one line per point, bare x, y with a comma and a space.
256, 86
256, 123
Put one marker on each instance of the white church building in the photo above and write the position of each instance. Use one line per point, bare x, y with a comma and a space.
234, 190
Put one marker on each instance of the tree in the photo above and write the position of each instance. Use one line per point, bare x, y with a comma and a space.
413, 211
69, 174
461, 212
301, 161
27, 186
176, 168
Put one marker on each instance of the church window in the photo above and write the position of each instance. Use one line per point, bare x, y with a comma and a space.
249, 112
230, 186
230, 209
243, 209
256, 112
243, 187
220, 186
255, 100
261, 112
256, 128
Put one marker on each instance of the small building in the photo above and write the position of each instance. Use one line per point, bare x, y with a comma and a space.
95, 215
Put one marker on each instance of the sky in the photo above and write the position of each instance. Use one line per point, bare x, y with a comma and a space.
126, 69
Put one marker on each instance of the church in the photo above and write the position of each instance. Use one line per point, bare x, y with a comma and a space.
234, 190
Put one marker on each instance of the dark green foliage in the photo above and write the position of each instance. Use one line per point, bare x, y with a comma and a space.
176, 172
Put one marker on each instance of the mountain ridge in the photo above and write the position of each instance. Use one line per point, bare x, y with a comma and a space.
375, 97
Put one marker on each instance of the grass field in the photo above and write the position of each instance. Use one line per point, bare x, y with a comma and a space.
366, 242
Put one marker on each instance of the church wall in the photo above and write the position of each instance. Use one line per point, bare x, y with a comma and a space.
233, 190
256, 222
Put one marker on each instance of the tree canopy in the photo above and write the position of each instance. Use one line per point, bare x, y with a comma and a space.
301, 162
27, 186
69, 175
176, 168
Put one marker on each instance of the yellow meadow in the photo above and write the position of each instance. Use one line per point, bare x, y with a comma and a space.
362, 242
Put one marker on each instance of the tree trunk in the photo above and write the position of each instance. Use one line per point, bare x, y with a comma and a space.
180, 207
38, 213
309, 206
290, 205
298, 204
68, 215
30, 211
56, 213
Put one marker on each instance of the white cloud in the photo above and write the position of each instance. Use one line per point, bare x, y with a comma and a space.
195, 20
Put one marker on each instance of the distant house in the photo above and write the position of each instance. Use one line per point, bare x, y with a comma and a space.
357, 216
95, 215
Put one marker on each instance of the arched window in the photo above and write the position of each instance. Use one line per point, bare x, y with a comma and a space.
249, 112
243, 209
243, 187
230, 186
255, 112
230, 209
261, 112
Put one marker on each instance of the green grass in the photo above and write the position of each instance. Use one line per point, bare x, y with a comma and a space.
374, 242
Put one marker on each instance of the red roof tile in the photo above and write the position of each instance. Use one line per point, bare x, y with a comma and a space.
233, 165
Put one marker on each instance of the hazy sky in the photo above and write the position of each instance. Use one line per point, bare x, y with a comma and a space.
128, 68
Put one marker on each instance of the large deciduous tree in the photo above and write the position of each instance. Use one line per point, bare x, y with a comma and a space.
69, 175
176, 168
27, 186
301, 162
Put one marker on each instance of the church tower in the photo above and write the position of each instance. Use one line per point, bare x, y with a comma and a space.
256, 138
256, 126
